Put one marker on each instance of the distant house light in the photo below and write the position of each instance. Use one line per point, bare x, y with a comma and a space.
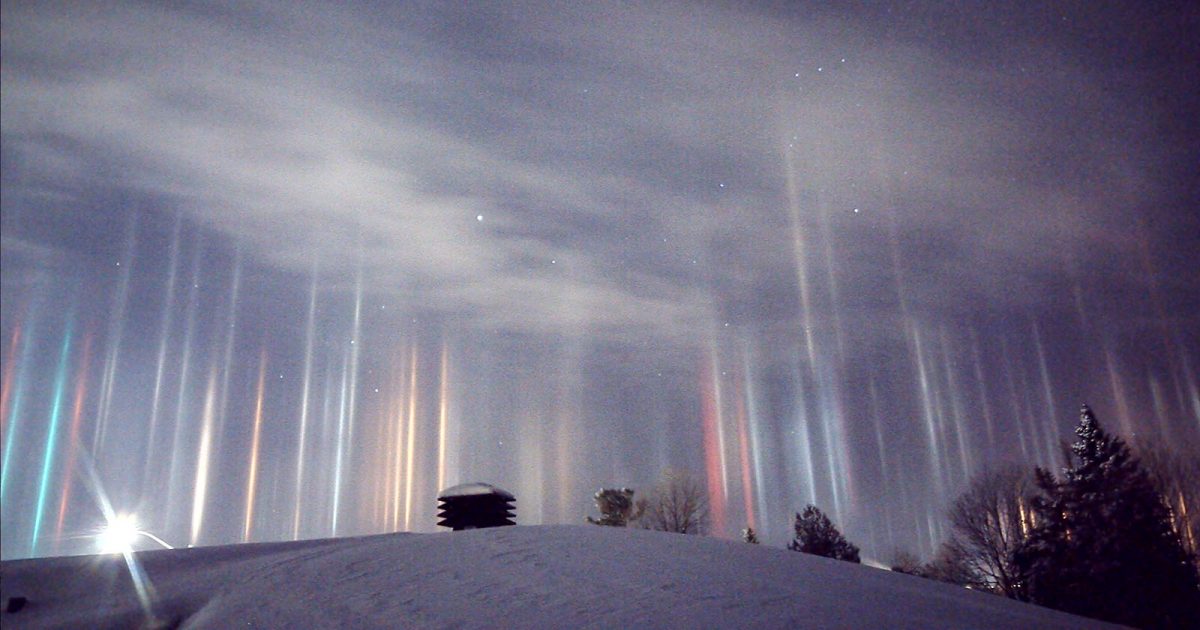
475, 506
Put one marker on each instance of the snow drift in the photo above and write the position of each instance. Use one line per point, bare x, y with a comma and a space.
526, 577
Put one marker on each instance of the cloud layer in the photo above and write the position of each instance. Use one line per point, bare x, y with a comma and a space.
630, 165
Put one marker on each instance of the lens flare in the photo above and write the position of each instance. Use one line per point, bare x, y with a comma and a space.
119, 535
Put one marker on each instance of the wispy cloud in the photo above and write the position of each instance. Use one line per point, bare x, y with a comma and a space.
628, 164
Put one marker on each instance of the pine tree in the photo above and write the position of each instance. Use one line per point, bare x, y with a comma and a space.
750, 536
815, 534
616, 507
1102, 545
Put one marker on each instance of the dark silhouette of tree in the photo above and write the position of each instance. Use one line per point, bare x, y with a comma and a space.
678, 503
904, 561
1175, 471
815, 534
988, 521
1102, 545
616, 507
951, 565
749, 535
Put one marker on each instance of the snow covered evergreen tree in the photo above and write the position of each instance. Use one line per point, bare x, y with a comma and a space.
815, 534
616, 507
1102, 545
750, 536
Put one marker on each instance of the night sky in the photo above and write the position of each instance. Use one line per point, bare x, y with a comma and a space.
284, 270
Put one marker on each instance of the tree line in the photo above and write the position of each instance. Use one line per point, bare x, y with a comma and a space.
1114, 537
1111, 538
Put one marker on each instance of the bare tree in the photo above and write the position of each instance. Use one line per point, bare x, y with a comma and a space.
677, 503
1175, 473
989, 520
904, 561
951, 564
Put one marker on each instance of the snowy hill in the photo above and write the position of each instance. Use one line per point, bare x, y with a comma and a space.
525, 577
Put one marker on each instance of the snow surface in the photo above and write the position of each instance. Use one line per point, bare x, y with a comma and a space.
522, 577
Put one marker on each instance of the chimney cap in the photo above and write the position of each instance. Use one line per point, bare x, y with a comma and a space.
474, 490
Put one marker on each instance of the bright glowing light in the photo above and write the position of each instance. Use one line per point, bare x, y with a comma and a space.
119, 535
411, 434
122, 532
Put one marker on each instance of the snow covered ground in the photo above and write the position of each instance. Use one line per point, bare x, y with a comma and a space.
524, 577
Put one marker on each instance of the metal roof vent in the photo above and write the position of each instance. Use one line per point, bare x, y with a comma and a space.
475, 506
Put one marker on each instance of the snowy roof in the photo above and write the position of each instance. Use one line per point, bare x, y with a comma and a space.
474, 489
524, 577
